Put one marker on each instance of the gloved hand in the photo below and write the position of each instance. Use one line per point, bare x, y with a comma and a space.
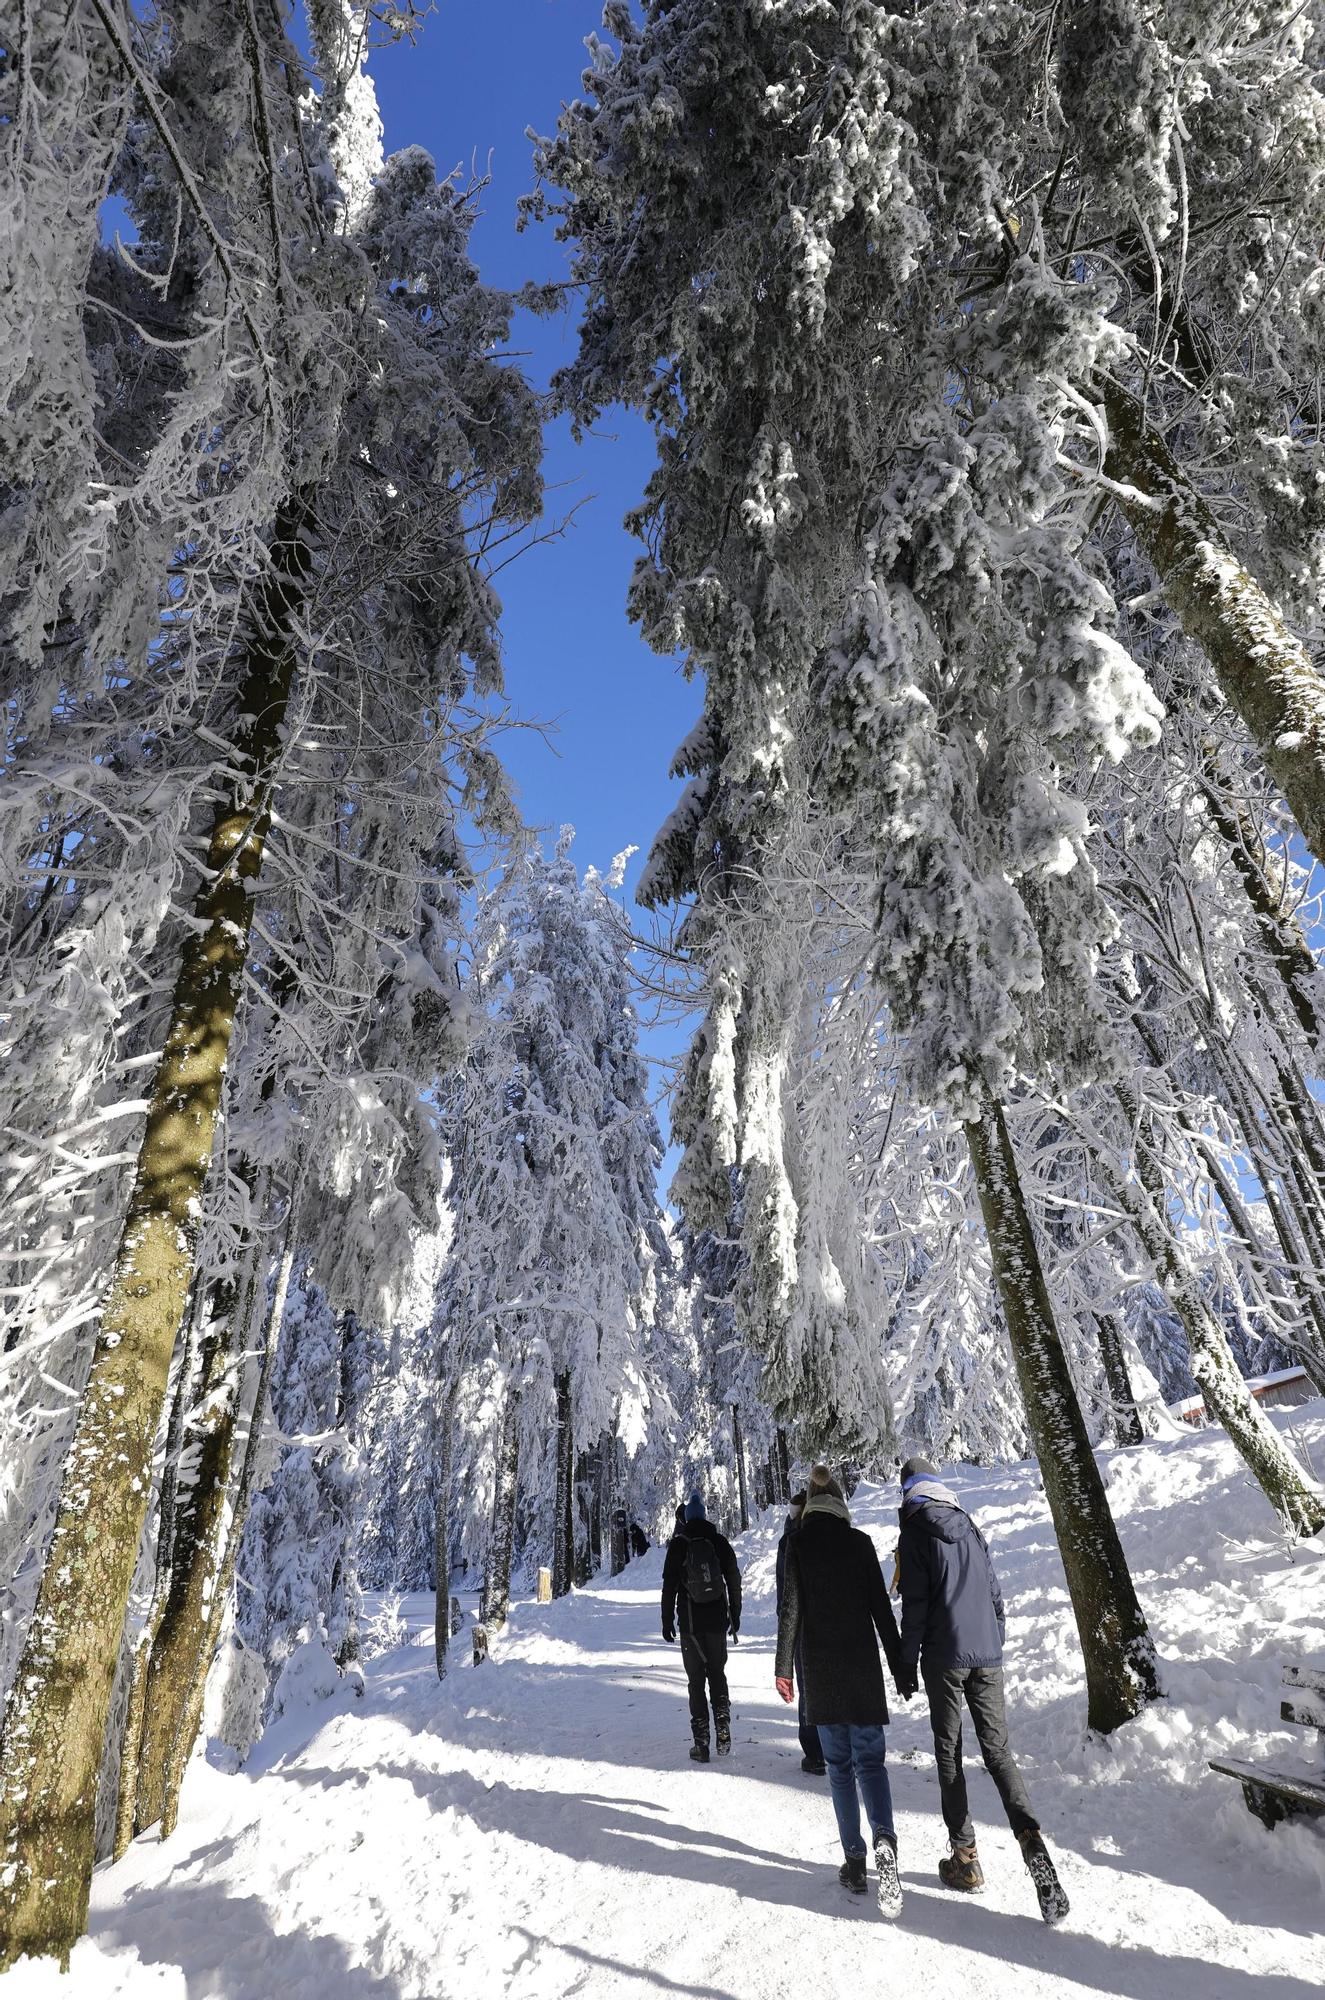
786, 1688
734, 1633
669, 1634
907, 1681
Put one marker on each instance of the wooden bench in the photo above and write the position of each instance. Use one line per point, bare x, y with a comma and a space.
1271, 1792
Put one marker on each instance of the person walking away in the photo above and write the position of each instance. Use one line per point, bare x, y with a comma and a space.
833, 1606
953, 1630
812, 1756
701, 1592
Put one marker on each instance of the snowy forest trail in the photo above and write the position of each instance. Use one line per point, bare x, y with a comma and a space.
534, 1829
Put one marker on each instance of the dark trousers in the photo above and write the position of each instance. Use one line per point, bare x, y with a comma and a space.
981, 1688
704, 1657
811, 1748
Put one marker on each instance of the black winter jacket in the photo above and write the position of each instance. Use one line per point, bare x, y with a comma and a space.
699, 1617
834, 1602
792, 1528
952, 1607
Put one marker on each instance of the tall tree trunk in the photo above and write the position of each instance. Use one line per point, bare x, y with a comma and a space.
738, 1444
497, 1581
1295, 1497
1280, 932
1264, 671
230, 1536
346, 1651
583, 1506
126, 1803
198, 1527
1310, 1353
1271, 1149
1289, 1226
783, 1459
441, 1529
1127, 1426
563, 1530
597, 1475
1119, 1657
55, 1722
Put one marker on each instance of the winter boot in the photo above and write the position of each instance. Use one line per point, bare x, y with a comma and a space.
812, 1769
722, 1723
699, 1749
852, 1874
1053, 1901
890, 1886
961, 1870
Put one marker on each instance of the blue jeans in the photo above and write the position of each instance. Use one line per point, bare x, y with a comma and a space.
854, 1753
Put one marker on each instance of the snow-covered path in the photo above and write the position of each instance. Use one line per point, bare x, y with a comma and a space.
536, 1830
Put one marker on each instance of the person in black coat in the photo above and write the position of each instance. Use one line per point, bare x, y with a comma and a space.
953, 1628
812, 1756
701, 1592
836, 1609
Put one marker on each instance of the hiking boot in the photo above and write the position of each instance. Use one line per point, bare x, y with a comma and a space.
852, 1874
1048, 1888
815, 1770
890, 1884
961, 1870
699, 1749
722, 1723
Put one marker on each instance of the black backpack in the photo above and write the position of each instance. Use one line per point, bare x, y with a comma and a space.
703, 1571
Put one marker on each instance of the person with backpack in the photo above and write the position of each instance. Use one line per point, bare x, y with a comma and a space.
953, 1628
812, 1756
835, 1609
701, 1593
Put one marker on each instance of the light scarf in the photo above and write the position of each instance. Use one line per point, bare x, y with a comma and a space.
926, 1487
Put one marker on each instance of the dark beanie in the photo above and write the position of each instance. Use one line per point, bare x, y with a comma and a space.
695, 1508
918, 1468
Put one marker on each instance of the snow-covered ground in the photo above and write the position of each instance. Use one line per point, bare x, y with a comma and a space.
535, 1829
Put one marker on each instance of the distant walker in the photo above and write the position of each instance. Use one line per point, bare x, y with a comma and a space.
701, 1593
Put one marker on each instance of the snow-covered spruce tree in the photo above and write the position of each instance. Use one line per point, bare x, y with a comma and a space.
297, 1589
774, 380
554, 1149
378, 432
395, 1535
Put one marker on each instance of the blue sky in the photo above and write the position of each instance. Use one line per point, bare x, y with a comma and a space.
477, 76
